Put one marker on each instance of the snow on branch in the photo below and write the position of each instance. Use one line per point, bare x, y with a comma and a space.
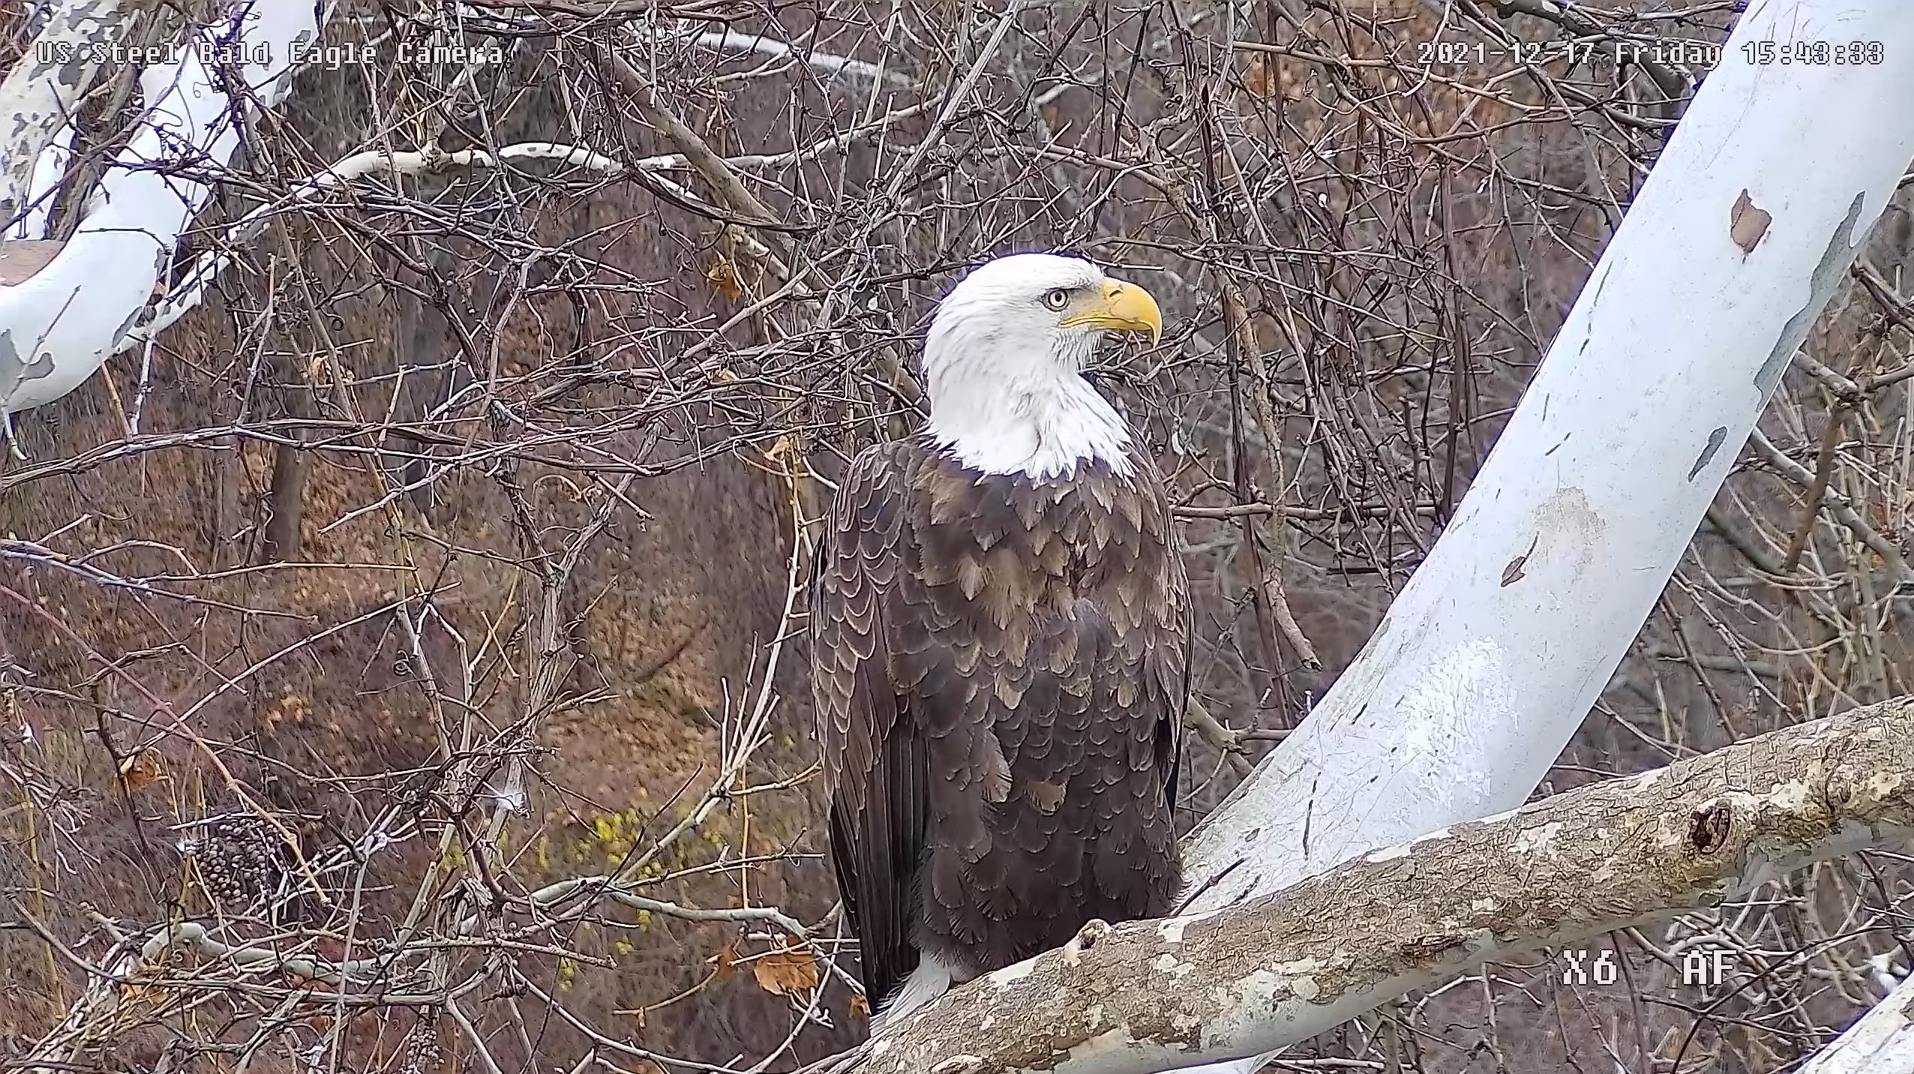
1275, 970
58, 325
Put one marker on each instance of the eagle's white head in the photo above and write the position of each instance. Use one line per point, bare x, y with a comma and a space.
1005, 360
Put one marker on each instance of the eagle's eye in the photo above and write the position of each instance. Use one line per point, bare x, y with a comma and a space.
1057, 297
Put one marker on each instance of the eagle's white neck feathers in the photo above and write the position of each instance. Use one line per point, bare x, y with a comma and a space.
1007, 395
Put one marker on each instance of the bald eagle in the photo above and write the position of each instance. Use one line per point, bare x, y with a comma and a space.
1000, 632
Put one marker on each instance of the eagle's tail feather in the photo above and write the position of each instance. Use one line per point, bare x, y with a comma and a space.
933, 977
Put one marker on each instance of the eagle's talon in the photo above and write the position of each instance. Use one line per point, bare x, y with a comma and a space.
1093, 930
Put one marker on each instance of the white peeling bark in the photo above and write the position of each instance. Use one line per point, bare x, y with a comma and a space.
42, 89
1278, 969
1491, 656
1880, 1042
1489, 659
60, 324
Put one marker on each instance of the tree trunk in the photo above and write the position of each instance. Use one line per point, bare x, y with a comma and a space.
1489, 660
58, 326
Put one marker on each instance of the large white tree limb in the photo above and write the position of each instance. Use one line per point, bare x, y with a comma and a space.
1278, 969
1879, 1042
41, 92
58, 325
1490, 658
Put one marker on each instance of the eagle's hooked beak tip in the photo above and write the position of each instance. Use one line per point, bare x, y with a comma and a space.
1123, 307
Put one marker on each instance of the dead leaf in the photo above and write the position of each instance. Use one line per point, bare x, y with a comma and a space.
1513, 571
785, 972
860, 1005
1262, 77
1747, 223
724, 961
141, 769
723, 275
136, 993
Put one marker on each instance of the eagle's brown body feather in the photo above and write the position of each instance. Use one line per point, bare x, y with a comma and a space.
1000, 664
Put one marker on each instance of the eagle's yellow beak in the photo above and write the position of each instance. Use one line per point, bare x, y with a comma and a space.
1123, 307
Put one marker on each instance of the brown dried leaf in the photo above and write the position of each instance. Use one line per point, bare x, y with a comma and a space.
1261, 77
860, 1005
723, 275
785, 972
141, 769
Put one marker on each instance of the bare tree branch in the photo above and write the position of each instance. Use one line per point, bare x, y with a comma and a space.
1272, 971
1879, 1042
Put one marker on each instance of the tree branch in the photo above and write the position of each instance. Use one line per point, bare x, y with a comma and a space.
42, 91
1275, 970
59, 325
823, 63
1230, 743
1835, 501
1879, 1042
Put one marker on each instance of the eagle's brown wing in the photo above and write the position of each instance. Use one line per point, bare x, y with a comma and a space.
874, 760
